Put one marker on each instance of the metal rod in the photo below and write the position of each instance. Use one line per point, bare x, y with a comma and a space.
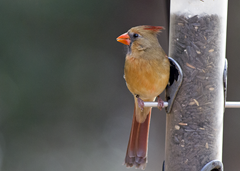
232, 105
154, 104
227, 105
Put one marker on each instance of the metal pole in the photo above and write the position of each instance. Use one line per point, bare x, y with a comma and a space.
228, 104
194, 125
232, 105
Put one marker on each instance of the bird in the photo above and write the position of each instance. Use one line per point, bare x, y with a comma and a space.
146, 72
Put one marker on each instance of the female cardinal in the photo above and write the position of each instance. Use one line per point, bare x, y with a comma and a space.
146, 72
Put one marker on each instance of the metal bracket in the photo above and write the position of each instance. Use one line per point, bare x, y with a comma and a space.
175, 81
214, 165
225, 81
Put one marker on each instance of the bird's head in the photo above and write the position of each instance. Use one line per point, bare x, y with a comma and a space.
140, 37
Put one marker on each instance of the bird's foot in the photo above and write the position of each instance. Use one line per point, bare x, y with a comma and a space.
160, 103
140, 103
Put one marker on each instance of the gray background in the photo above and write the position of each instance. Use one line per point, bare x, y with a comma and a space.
63, 100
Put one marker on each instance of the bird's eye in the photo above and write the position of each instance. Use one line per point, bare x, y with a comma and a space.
135, 35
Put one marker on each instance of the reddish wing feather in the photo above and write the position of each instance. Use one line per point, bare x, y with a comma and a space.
154, 28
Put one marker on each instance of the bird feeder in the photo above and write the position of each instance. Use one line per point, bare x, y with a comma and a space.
196, 94
194, 129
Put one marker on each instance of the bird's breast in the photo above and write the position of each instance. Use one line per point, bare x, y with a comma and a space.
144, 77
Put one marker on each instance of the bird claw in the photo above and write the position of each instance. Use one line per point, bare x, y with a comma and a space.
140, 103
160, 103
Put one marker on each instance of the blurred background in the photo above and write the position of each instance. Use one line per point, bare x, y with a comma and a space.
64, 104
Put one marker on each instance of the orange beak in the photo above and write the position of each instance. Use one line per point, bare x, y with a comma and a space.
124, 38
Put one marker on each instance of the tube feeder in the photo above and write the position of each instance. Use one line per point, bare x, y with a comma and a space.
194, 125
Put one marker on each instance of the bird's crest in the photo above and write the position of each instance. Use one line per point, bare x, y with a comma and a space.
154, 28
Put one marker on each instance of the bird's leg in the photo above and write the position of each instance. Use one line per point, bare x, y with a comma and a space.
140, 102
160, 103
